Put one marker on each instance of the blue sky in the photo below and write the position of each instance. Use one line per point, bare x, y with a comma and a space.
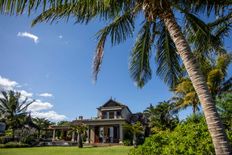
56, 69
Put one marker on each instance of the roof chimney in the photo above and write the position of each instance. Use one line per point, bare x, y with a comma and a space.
80, 117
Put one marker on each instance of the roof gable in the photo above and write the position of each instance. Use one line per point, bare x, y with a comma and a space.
112, 103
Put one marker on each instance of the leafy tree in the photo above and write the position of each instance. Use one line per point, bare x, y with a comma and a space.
161, 117
136, 129
13, 110
157, 15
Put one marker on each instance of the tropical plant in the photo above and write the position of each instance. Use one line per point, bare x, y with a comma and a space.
79, 129
215, 73
189, 137
13, 110
41, 123
161, 116
224, 105
136, 129
156, 14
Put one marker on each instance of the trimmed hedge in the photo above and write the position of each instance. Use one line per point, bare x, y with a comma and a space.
13, 145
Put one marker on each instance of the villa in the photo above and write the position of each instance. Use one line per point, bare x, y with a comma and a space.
107, 127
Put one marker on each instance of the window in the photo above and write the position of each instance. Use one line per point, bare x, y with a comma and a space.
111, 113
118, 114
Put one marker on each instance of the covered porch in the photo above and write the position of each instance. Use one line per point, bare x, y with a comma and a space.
104, 131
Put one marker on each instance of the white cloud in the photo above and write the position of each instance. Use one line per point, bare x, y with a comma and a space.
7, 84
50, 115
60, 36
36, 108
25, 93
39, 105
29, 35
45, 95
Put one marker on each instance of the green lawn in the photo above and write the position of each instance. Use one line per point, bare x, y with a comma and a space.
114, 150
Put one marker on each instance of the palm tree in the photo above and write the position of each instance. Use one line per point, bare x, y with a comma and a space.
157, 15
13, 110
135, 129
80, 130
41, 123
215, 73
161, 116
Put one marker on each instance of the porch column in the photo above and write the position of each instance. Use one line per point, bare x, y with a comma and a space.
92, 134
120, 134
54, 135
73, 136
115, 114
87, 138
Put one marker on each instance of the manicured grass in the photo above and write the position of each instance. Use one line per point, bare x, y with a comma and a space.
113, 150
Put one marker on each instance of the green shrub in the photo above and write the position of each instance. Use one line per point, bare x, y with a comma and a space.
127, 142
190, 137
13, 145
30, 140
5, 139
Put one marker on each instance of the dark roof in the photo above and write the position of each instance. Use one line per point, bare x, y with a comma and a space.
113, 103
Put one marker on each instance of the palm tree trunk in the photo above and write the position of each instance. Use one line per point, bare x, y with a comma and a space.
134, 140
215, 127
80, 143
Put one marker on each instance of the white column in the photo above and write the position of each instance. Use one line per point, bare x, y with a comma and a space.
120, 134
87, 138
54, 135
115, 114
73, 136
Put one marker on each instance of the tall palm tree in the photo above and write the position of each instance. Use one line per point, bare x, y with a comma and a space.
13, 110
121, 15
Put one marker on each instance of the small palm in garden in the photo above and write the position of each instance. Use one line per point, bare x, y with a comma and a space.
14, 110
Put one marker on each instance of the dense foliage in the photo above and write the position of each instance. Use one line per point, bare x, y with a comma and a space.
161, 116
189, 137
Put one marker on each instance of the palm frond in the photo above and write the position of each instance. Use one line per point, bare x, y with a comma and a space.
84, 11
208, 6
119, 30
139, 67
201, 36
167, 59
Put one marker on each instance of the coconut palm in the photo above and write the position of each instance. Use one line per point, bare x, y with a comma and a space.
121, 14
13, 110
215, 73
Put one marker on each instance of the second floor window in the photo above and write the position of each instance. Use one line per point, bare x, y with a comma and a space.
111, 114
